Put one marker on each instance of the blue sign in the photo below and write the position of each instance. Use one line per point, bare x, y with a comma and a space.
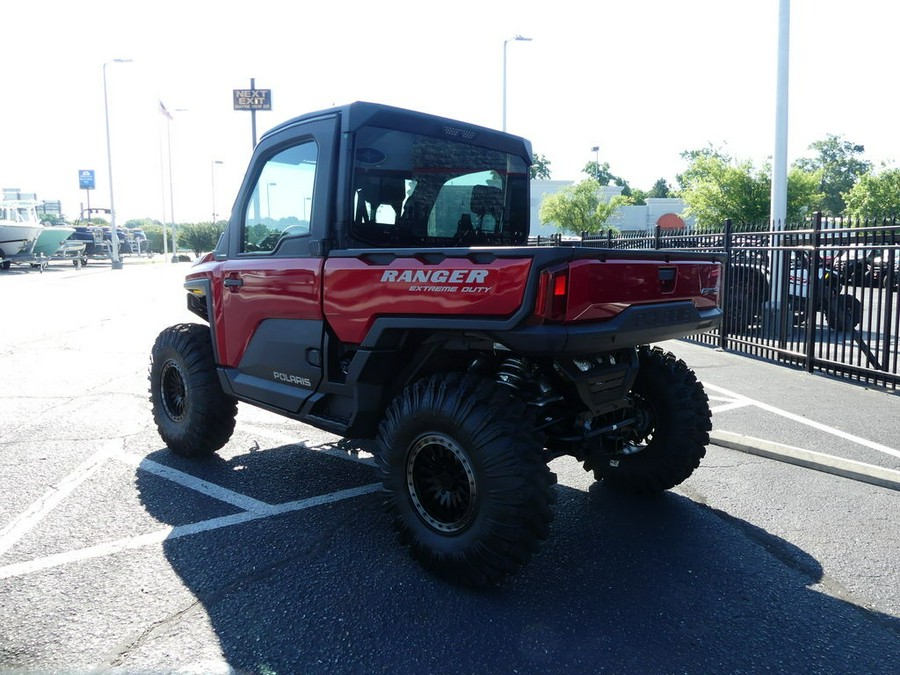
86, 179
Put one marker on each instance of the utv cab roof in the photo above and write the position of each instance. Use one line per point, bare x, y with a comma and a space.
355, 115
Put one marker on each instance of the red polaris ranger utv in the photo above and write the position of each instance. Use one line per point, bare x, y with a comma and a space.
389, 292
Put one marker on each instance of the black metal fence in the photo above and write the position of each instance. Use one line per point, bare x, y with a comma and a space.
822, 294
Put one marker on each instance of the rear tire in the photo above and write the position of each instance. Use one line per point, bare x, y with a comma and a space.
192, 413
671, 433
844, 312
468, 489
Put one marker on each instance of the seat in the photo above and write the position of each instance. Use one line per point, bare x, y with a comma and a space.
487, 200
378, 190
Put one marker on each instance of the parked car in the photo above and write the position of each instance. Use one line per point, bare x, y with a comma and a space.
885, 268
856, 266
750, 286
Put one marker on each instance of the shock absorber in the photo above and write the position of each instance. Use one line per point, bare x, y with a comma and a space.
513, 372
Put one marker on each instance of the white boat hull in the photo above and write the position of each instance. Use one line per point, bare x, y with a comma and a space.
17, 237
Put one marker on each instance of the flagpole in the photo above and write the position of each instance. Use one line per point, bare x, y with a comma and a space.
162, 186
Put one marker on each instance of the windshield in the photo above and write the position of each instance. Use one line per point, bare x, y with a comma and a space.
413, 190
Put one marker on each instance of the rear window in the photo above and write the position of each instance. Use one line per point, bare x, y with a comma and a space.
413, 190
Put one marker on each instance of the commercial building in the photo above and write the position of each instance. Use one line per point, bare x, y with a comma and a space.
665, 212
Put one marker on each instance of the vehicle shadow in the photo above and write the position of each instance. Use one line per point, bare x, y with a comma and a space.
623, 584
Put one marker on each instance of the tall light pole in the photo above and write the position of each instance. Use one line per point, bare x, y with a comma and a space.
596, 151
162, 187
113, 233
517, 38
169, 118
212, 170
779, 166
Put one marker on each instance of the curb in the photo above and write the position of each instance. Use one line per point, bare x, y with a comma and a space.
846, 468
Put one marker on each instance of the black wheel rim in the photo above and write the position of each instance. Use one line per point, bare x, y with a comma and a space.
173, 391
441, 484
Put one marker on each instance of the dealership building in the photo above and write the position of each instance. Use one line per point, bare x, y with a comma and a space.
665, 212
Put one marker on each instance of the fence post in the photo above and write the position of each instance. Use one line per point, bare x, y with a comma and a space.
888, 294
813, 289
726, 274
657, 237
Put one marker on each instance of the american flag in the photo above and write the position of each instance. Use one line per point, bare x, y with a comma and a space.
162, 109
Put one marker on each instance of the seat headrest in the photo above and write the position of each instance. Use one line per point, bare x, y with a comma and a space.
382, 189
486, 199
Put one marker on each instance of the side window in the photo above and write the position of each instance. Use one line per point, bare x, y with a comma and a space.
281, 203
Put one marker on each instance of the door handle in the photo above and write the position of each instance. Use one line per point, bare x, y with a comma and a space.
234, 282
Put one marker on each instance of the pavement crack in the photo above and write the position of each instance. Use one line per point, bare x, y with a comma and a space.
316, 548
120, 654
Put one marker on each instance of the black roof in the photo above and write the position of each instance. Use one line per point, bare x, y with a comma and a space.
362, 113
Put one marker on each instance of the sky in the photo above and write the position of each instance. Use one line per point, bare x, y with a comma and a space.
642, 80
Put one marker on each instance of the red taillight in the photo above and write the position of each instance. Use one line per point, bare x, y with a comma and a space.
560, 284
553, 294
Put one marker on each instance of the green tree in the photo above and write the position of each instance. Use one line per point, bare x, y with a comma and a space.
841, 167
199, 237
660, 189
875, 196
716, 187
603, 176
803, 194
142, 222
540, 167
154, 232
697, 164
52, 219
637, 197
577, 208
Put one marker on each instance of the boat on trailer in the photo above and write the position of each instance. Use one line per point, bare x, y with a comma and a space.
19, 228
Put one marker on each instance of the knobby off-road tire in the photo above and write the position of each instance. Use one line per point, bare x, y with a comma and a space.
192, 413
844, 312
743, 300
468, 490
672, 430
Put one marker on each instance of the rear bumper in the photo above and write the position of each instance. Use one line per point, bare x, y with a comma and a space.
637, 325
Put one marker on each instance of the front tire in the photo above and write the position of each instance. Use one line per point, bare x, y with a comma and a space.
468, 489
671, 432
192, 413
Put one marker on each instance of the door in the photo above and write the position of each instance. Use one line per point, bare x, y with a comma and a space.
271, 317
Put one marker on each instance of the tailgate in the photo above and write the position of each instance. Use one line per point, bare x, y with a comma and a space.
600, 288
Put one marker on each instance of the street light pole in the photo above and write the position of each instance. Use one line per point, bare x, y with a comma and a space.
517, 38
212, 170
171, 188
778, 206
113, 233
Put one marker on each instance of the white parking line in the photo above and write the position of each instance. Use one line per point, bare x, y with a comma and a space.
25, 522
170, 533
251, 509
728, 403
872, 445
198, 485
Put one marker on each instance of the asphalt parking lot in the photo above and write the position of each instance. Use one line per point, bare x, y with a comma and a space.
275, 556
